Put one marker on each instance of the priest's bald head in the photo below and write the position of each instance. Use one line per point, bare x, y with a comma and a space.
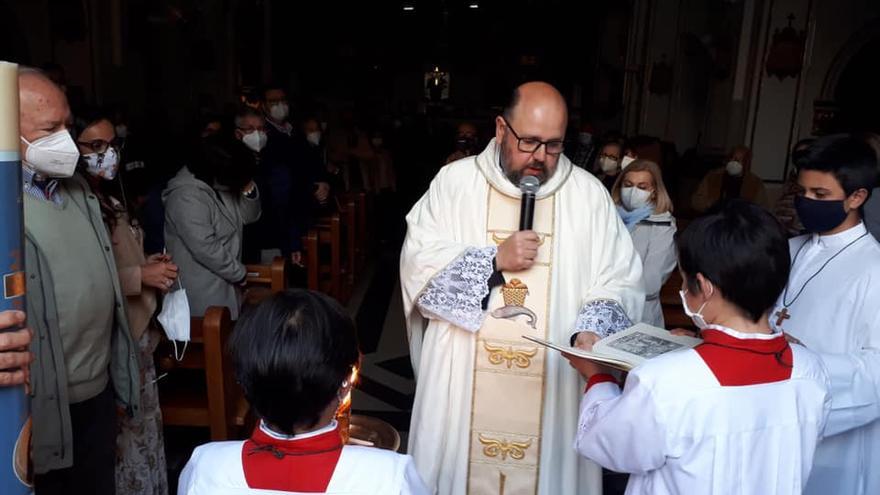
530, 134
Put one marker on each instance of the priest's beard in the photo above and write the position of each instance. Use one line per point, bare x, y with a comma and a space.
514, 176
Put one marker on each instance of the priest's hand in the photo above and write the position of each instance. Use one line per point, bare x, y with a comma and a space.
585, 340
517, 252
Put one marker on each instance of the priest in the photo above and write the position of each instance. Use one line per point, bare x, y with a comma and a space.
494, 413
831, 305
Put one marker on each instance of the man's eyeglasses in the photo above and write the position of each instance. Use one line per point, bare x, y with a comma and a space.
97, 146
531, 145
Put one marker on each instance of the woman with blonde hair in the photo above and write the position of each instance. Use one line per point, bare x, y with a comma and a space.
646, 210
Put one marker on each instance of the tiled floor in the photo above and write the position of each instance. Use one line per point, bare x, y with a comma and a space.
386, 386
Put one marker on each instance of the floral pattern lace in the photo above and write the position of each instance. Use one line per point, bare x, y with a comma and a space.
602, 316
456, 293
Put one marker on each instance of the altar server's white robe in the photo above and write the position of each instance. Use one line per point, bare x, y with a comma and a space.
311, 463
838, 317
593, 260
711, 420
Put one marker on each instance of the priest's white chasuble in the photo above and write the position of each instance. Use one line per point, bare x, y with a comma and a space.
494, 414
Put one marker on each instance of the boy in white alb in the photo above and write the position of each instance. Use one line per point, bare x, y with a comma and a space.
832, 305
740, 413
293, 357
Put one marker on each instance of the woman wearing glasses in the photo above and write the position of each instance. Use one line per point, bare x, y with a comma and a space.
140, 460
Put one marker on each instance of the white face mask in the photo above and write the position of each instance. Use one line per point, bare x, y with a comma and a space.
279, 111
625, 161
255, 140
634, 198
55, 155
103, 165
314, 137
608, 164
734, 168
174, 318
696, 317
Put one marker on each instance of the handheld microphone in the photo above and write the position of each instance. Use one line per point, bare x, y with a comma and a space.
528, 185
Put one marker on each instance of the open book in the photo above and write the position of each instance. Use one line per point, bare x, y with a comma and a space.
629, 348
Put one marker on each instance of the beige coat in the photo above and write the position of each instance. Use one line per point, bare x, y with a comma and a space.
128, 249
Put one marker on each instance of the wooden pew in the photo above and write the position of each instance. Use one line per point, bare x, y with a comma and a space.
361, 234
265, 280
348, 212
273, 276
325, 255
200, 390
310, 259
670, 301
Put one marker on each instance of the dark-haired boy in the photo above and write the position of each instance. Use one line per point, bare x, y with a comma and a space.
832, 305
293, 356
740, 413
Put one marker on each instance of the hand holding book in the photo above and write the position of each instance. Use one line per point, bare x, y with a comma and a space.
586, 367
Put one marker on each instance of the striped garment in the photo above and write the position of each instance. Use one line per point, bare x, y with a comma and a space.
40, 188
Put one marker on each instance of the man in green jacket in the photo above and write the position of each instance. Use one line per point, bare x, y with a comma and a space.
86, 361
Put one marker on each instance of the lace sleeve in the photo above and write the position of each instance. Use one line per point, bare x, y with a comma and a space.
456, 293
602, 316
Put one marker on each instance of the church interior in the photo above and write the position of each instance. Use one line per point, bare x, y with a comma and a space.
684, 81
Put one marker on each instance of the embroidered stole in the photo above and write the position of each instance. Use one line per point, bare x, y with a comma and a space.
508, 387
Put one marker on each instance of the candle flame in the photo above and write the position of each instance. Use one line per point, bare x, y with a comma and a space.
346, 403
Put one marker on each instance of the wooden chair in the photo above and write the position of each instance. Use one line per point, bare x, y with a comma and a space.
265, 280
200, 390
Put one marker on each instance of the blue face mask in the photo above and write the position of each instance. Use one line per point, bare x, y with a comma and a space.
818, 215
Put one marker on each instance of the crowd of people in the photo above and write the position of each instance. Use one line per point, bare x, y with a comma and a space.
108, 238
783, 301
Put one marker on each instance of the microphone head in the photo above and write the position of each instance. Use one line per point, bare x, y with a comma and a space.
529, 184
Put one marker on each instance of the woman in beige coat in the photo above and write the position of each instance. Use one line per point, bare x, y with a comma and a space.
140, 458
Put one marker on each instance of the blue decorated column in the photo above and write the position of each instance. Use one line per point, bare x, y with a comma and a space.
14, 405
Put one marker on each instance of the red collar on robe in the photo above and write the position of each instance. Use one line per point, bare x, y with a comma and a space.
738, 359
293, 465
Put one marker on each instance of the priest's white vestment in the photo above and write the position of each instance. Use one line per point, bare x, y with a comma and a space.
837, 315
594, 284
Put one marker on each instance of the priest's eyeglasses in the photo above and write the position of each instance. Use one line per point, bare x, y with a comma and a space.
531, 145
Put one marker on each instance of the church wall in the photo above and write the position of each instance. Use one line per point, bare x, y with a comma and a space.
749, 106
841, 26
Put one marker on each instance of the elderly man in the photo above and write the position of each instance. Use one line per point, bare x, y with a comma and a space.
494, 413
734, 180
85, 359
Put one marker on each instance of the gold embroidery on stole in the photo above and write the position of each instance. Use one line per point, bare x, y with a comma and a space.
508, 389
